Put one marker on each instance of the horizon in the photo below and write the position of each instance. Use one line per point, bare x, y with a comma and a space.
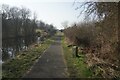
53, 12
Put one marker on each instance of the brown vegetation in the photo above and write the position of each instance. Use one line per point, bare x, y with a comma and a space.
98, 37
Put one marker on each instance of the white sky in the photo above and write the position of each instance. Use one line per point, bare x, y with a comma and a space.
50, 11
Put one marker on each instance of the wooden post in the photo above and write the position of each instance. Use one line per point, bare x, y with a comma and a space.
76, 53
75, 50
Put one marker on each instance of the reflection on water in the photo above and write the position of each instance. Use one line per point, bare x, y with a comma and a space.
8, 53
0, 56
11, 53
1, 62
11, 47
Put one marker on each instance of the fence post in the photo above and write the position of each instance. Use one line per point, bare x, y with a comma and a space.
75, 51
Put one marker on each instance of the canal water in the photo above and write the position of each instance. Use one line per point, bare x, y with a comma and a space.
11, 47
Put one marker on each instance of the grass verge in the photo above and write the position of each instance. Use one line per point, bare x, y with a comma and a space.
16, 68
76, 66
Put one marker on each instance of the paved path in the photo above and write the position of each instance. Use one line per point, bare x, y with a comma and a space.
51, 64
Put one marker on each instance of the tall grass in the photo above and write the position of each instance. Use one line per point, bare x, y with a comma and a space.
76, 66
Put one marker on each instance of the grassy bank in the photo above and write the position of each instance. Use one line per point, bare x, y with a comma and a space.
76, 66
17, 67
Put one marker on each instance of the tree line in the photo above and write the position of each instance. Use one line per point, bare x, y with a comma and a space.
18, 27
98, 35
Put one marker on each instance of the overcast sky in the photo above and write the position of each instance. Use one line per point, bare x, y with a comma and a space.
50, 11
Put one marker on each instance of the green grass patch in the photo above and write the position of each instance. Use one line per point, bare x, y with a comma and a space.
76, 66
16, 68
